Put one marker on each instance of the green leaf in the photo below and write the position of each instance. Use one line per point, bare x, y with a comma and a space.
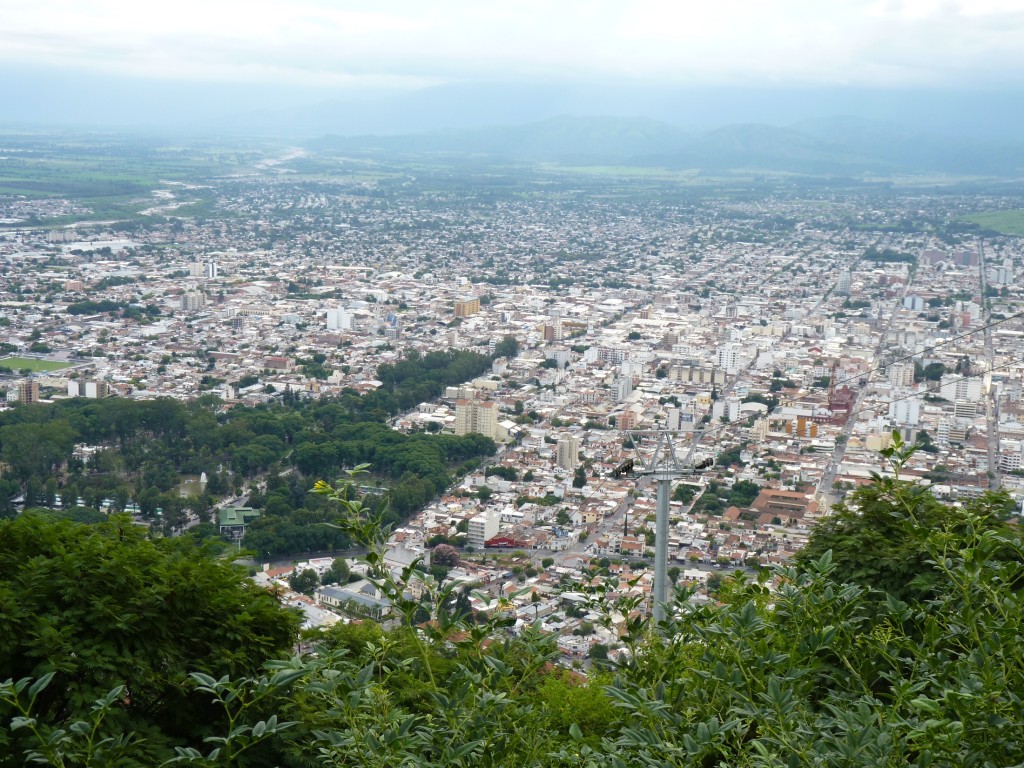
39, 685
286, 677
22, 722
204, 680
575, 732
924, 704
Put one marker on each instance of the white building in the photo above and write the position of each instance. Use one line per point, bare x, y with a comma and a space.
959, 388
901, 374
483, 527
906, 412
339, 320
731, 357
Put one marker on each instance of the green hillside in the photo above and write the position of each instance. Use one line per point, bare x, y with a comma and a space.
894, 642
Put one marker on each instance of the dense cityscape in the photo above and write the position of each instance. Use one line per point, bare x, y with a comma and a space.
511, 385
785, 331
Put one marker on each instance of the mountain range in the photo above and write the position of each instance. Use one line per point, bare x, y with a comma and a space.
847, 146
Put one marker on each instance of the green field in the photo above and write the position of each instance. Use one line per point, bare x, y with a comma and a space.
1006, 222
21, 363
111, 175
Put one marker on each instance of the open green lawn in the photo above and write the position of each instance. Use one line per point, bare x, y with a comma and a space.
20, 363
1007, 222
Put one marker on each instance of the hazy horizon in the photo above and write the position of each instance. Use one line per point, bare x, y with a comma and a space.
943, 67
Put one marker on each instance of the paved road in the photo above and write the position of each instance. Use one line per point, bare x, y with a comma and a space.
825, 486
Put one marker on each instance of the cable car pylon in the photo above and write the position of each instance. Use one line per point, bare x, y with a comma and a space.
663, 465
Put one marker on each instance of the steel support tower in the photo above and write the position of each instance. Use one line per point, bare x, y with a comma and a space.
662, 465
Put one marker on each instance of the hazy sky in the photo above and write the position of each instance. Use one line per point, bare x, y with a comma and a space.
373, 45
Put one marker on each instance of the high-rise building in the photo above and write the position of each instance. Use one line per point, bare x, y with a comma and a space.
906, 412
212, 270
568, 452
28, 391
843, 283
672, 419
467, 307
901, 374
801, 426
482, 528
476, 416
97, 389
958, 388
622, 387
88, 388
193, 301
339, 320
731, 357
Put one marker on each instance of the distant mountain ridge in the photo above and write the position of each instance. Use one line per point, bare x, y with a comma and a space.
839, 146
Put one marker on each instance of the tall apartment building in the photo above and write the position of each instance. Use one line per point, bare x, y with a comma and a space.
568, 452
467, 307
482, 528
476, 416
193, 301
959, 388
28, 391
339, 320
622, 388
901, 374
906, 412
90, 389
731, 357
843, 283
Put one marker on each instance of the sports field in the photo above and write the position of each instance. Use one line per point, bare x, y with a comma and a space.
1007, 222
21, 363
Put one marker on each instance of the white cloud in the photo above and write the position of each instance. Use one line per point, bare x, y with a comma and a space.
888, 42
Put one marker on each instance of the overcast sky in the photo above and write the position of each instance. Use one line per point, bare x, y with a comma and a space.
394, 44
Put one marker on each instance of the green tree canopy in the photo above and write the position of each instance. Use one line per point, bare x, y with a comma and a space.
102, 606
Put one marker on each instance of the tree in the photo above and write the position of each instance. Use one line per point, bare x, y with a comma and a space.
895, 521
579, 478
338, 573
103, 606
305, 581
446, 555
809, 669
684, 493
507, 347
484, 493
